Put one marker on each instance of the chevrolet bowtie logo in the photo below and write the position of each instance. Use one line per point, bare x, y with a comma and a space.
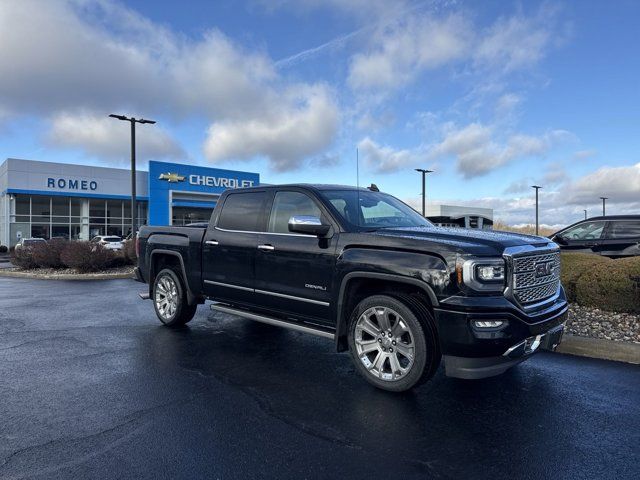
171, 177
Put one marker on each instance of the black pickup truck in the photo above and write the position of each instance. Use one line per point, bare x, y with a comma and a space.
362, 268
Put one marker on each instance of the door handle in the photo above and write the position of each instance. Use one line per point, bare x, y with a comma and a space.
212, 242
266, 248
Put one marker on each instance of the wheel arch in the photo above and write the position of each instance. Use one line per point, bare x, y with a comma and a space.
358, 285
158, 260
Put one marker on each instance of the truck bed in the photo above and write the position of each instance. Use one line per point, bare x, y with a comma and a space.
187, 241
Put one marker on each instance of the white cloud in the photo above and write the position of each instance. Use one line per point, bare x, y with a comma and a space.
285, 137
103, 137
98, 56
515, 42
584, 154
518, 186
566, 204
404, 49
555, 175
384, 159
478, 153
620, 184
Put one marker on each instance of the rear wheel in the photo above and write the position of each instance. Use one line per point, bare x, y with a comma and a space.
170, 299
391, 348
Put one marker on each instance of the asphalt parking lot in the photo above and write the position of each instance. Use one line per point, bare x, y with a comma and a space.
93, 387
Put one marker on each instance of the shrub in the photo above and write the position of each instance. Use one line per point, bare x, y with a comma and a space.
47, 255
87, 257
23, 258
602, 282
129, 252
3, 249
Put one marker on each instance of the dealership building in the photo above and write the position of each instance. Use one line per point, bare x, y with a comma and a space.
45, 199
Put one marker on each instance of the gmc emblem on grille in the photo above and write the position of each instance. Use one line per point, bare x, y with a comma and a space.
544, 269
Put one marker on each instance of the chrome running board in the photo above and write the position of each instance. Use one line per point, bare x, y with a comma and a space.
319, 331
144, 296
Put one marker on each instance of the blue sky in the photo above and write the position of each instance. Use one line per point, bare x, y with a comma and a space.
494, 96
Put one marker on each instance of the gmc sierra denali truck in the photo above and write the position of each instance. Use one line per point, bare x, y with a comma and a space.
362, 268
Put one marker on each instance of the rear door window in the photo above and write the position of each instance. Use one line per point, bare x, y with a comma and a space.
623, 229
242, 212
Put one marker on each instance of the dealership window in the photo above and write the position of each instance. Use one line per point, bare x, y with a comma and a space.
59, 216
23, 209
40, 230
40, 209
184, 216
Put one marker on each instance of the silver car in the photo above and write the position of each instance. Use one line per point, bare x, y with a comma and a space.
29, 242
110, 242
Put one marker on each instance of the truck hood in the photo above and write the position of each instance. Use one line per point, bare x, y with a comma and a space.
484, 241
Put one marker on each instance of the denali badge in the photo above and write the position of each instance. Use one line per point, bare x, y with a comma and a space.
544, 269
315, 287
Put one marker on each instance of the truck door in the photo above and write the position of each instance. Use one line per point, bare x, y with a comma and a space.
229, 247
294, 272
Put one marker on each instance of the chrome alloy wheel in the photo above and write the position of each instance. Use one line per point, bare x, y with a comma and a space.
166, 297
384, 343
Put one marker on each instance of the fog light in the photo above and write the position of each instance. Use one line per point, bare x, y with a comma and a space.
488, 323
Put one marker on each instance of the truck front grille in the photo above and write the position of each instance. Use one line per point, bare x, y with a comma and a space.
536, 277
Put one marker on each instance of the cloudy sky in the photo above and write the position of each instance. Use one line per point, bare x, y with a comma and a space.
494, 96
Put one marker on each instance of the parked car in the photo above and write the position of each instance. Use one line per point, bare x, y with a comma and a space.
366, 270
29, 242
108, 241
612, 236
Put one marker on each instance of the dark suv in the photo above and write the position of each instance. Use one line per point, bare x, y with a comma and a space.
613, 236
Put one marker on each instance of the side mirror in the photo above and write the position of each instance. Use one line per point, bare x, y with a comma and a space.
308, 225
559, 239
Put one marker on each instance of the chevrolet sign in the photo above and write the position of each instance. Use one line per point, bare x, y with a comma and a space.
219, 182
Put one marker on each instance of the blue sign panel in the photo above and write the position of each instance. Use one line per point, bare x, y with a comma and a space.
170, 183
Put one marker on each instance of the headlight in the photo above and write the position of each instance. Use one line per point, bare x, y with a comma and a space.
490, 273
483, 274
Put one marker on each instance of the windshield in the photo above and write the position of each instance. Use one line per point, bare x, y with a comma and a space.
375, 210
112, 239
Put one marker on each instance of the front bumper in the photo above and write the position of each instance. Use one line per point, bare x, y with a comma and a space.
471, 352
483, 367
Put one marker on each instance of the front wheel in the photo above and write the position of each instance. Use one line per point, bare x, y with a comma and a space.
391, 348
170, 300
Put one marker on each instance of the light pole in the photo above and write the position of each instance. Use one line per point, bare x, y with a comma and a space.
604, 199
134, 207
585, 214
424, 174
537, 187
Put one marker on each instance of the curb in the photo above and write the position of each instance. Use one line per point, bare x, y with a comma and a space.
67, 276
600, 348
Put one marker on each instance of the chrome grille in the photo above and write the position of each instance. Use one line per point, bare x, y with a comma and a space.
529, 287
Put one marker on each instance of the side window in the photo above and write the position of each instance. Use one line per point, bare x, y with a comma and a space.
242, 211
288, 204
584, 231
624, 229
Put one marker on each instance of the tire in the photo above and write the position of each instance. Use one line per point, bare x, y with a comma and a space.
170, 299
402, 360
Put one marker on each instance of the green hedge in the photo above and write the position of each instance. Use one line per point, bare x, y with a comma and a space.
608, 284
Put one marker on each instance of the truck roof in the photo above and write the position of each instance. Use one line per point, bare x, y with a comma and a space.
313, 186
